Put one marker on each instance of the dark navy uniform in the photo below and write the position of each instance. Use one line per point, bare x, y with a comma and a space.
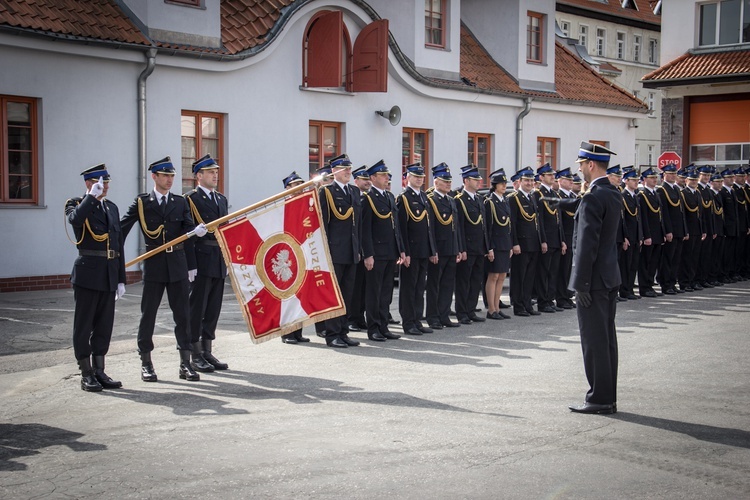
674, 222
691, 204
631, 229
706, 211
650, 208
549, 261
498, 232
97, 272
731, 225
715, 274
568, 205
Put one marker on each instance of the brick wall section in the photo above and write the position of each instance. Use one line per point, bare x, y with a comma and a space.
672, 119
49, 282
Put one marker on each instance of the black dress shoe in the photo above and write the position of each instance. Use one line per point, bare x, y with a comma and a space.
633, 296
534, 313
336, 342
322, 334
451, 324
495, 315
348, 341
565, 306
465, 321
201, 365
696, 286
503, 315
621, 299
557, 309
377, 337
686, 289
678, 290
504, 306
521, 313
706, 284
299, 338
648, 293
289, 339
89, 383
546, 309
592, 408
669, 291
392, 336
148, 374
187, 373
392, 321
412, 331
353, 327
436, 326
424, 329
476, 318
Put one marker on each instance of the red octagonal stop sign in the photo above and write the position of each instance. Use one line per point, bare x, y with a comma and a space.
669, 158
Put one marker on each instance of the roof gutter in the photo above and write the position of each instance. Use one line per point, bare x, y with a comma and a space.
141, 174
519, 130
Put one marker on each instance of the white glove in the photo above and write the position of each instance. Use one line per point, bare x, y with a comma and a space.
98, 188
192, 273
120, 291
200, 230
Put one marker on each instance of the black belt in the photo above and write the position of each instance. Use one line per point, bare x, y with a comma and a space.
211, 243
178, 246
109, 254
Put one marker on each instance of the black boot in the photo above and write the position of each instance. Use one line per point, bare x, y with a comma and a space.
147, 368
218, 365
104, 379
186, 370
199, 363
88, 380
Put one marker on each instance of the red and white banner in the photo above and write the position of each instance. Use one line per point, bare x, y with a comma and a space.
280, 267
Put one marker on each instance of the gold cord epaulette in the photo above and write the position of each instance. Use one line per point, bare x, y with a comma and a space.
720, 211
524, 214
706, 205
466, 213
196, 215
332, 207
627, 208
375, 210
742, 202
688, 207
439, 217
86, 228
411, 215
142, 218
746, 195
494, 215
654, 210
551, 212
669, 200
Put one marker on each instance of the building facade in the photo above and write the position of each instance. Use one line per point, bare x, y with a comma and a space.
271, 86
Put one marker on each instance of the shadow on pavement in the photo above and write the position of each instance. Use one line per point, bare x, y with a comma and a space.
718, 435
21, 440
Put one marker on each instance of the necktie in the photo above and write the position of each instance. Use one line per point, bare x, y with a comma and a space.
346, 191
163, 204
213, 197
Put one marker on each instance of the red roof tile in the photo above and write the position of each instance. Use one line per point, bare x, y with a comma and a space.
644, 12
93, 19
244, 22
574, 79
708, 65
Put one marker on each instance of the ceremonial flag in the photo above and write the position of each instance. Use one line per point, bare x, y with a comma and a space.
280, 267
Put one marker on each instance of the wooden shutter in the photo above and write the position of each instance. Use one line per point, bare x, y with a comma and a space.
370, 58
324, 45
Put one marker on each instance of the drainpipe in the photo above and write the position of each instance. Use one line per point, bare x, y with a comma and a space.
150, 65
519, 130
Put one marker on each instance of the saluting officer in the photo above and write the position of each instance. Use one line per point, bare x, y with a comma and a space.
528, 242
98, 276
419, 247
691, 203
342, 218
499, 240
674, 226
630, 249
163, 216
382, 248
568, 205
295, 337
441, 275
207, 290
550, 224
650, 207
473, 245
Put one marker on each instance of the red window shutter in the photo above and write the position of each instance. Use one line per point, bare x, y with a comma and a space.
324, 45
370, 58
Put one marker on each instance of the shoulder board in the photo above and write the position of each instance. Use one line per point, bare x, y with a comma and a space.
459, 194
514, 193
143, 195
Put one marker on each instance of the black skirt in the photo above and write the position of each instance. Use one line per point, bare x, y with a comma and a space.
501, 264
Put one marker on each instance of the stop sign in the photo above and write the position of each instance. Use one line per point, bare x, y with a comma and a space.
669, 158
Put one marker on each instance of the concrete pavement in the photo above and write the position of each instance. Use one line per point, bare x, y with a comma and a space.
473, 412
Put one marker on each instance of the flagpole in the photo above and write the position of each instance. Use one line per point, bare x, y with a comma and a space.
221, 220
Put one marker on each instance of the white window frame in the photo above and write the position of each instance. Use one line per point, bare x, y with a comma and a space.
650, 154
652, 45
651, 100
622, 39
637, 48
601, 42
717, 28
565, 28
583, 35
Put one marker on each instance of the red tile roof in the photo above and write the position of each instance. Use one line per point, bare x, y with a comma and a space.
644, 13
91, 19
574, 79
732, 63
244, 22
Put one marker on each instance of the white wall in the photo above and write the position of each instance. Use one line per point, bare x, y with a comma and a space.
679, 28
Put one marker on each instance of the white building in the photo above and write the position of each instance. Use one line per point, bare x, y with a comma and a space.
271, 86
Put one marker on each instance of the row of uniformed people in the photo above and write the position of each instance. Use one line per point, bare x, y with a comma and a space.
192, 273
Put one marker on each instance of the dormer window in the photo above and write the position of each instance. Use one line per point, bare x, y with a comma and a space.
724, 23
434, 23
535, 37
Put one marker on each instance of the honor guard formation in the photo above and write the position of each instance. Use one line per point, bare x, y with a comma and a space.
446, 247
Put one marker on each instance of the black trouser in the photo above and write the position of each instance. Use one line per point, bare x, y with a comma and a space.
599, 345
628, 261
378, 295
92, 322
356, 314
522, 275
411, 288
345, 276
715, 272
562, 294
206, 296
179, 301
648, 263
704, 259
441, 281
669, 263
469, 274
691, 252
740, 264
546, 278
728, 255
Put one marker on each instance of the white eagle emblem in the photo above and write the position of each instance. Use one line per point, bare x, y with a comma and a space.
282, 266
